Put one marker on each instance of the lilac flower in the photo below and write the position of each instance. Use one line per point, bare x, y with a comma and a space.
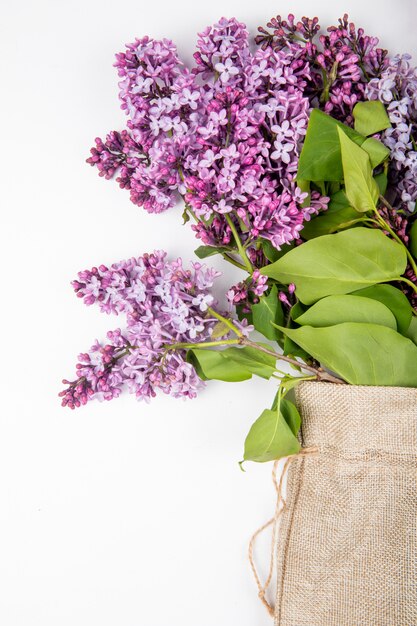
397, 89
282, 151
340, 63
226, 70
225, 136
248, 292
165, 305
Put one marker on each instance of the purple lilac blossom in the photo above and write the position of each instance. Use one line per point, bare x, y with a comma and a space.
341, 62
397, 89
164, 305
225, 136
248, 292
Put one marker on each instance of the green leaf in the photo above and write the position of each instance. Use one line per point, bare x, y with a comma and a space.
205, 251
382, 182
271, 253
292, 349
376, 150
361, 354
296, 310
370, 117
340, 263
213, 365
339, 215
338, 201
268, 310
334, 187
394, 299
320, 158
291, 415
270, 438
252, 360
333, 310
413, 239
361, 189
185, 216
411, 331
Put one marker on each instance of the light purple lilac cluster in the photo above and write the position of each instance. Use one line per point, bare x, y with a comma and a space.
164, 305
397, 89
341, 62
225, 135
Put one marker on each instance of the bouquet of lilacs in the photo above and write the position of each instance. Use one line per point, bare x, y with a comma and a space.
293, 157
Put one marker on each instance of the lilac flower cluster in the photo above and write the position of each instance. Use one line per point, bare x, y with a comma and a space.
341, 62
248, 292
165, 305
225, 136
397, 89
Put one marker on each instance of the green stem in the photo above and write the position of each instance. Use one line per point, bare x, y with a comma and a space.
242, 251
350, 223
319, 374
227, 257
233, 261
225, 321
408, 282
206, 344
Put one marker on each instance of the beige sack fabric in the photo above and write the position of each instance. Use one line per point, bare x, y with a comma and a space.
347, 546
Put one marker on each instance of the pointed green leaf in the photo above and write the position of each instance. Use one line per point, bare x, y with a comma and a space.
333, 310
268, 310
340, 263
361, 354
252, 360
361, 189
382, 182
205, 251
411, 332
270, 438
293, 350
291, 415
370, 117
339, 215
272, 253
320, 158
394, 299
212, 365
376, 150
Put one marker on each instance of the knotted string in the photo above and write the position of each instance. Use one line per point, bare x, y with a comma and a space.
279, 508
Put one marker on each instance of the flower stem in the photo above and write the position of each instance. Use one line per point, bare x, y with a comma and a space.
203, 344
408, 282
319, 373
233, 261
242, 251
225, 321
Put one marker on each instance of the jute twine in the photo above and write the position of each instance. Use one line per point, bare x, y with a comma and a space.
279, 508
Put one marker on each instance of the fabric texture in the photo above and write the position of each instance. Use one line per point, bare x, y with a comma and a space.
347, 545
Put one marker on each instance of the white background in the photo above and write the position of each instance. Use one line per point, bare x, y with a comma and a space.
121, 513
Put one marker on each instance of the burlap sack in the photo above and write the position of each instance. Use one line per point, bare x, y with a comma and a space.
347, 547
